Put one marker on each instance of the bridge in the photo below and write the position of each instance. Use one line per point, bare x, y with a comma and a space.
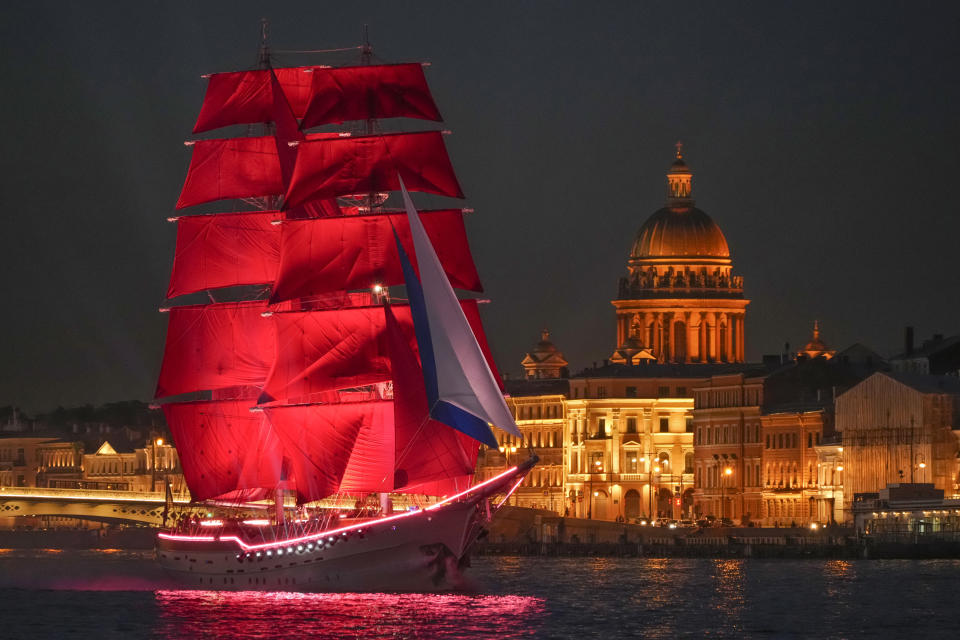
86, 504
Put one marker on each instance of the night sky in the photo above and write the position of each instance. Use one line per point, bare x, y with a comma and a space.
823, 139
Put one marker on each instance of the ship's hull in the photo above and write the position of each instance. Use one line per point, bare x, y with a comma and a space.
416, 551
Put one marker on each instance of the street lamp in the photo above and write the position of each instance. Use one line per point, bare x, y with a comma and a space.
653, 470
153, 475
920, 465
728, 472
506, 451
598, 468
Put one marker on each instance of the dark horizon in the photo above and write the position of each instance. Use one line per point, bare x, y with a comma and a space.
821, 138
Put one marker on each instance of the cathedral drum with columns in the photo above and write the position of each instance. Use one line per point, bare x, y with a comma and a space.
680, 302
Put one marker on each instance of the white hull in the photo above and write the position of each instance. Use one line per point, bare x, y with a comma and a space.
418, 551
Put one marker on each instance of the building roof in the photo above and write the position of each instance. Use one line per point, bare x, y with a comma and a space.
668, 370
929, 348
537, 387
926, 383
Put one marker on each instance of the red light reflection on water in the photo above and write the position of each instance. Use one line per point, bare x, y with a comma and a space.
253, 614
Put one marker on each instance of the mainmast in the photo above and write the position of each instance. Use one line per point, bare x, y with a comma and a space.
264, 52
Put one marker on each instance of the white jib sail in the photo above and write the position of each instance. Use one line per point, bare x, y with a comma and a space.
463, 377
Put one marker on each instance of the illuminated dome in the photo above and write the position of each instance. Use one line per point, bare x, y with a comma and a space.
680, 232
680, 301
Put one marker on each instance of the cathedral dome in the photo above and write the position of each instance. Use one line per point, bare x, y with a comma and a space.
680, 232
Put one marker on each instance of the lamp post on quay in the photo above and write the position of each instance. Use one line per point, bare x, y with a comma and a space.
153, 476
597, 468
506, 451
727, 473
653, 469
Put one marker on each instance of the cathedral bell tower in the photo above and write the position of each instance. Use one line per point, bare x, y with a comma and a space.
680, 302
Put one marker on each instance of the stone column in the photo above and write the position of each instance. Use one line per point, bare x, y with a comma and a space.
671, 338
658, 335
742, 347
691, 338
728, 338
712, 340
702, 352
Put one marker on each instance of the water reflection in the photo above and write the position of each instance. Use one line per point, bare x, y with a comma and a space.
352, 615
729, 598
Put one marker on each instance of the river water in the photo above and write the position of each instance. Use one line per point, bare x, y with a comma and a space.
117, 594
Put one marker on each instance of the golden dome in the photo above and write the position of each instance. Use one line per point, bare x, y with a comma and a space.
680, 232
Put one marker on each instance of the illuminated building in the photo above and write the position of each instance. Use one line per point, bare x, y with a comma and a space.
545, 361
899, 428
791, 471
829, 482
537, 403
30, 461
680, 301
629, 444
816, 348
142, 469
728, 452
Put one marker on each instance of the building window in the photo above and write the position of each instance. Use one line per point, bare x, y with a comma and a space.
663, 392
768, 441
689, 424
631, 425
681, 392
664, 425
631, 392
699, 438
601, 391
688, 463
630, 464
601, 427
596, 462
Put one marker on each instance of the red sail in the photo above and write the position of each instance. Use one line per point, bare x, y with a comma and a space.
232, 168
369, 92
431, 457
246, 97
321, 351
222, 448
322, 255
337, 447
216, 346
368, 164
225, 250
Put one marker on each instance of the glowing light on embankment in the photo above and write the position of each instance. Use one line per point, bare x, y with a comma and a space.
354, 527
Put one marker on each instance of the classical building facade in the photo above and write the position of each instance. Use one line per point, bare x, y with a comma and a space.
680, 301
728, 451
629, 445
791, 468
545, 361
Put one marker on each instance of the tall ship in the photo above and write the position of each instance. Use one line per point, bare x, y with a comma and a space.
329, 392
